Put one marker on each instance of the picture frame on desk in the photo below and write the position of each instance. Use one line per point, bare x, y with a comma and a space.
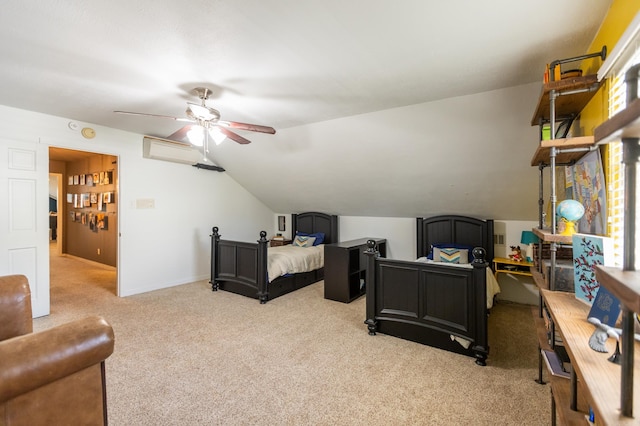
589, 251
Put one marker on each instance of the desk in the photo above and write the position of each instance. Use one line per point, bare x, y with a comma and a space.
508, 266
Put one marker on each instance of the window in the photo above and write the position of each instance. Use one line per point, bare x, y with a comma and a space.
626, 58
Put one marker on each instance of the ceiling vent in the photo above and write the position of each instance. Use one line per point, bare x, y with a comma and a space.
177, 152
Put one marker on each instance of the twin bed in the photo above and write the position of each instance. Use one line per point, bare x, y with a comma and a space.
426, 301
244, 268
433, 302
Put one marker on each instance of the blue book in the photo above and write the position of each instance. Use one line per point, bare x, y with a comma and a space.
606, 307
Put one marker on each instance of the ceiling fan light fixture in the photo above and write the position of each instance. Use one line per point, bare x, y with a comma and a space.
217, 135
196, 135
201, 112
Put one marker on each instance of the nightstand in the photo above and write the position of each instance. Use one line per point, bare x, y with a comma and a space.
509, 266
278, 243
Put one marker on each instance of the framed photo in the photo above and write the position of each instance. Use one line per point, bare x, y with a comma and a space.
76, 179
85, 200
72, 216
83, 180
281, 223
70, 180
69, 198
96, 179
93, 198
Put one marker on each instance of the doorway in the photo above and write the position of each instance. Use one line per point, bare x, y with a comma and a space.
83, 255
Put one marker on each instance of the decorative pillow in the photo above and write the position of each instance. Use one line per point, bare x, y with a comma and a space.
450, 255
319, 236
448, 245
303, 241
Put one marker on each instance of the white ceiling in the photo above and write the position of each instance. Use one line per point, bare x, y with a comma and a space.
282, 63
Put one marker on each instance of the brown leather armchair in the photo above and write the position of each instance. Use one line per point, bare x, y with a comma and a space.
55, 376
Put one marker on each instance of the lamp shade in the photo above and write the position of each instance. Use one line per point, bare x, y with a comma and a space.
528, 237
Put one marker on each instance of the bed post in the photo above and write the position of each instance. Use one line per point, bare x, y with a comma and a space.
215, 240
420, 238
263, 292
370, 288
481, 344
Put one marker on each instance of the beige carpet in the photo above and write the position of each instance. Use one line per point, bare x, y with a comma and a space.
188, 356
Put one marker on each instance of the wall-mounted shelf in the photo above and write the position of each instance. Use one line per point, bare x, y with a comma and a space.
625, 285
566, 106
579, 146
549, 237
625, 124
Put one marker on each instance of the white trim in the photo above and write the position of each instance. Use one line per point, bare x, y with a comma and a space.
631, 33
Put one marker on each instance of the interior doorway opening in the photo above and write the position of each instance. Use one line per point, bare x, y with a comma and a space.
84, 253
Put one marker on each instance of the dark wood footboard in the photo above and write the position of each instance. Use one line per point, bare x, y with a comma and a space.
429, 303
239, 267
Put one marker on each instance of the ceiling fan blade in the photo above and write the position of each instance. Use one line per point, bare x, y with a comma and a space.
233, 136
180, 134
250, 127
154, 115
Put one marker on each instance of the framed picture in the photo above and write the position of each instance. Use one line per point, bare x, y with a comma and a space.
96, 179
83, 180
70, 180
90, 179
76, 179
72, 216
94, 198
69, 198
281, 223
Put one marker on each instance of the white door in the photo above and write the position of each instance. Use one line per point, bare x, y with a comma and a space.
24, 217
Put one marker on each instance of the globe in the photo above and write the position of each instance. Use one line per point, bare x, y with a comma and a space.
571, 211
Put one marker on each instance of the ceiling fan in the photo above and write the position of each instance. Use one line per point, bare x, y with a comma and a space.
206, 122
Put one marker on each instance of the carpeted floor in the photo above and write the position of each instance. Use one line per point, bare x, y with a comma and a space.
188, 356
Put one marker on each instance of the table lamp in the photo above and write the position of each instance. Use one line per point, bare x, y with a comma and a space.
528, 238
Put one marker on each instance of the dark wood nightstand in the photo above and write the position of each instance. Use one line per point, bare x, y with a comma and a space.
278, 243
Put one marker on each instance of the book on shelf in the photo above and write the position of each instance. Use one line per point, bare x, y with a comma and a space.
606, 307
554, 364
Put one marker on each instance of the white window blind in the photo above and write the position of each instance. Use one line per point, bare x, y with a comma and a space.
627, 57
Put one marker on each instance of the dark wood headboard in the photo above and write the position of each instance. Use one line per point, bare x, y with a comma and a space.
312, 222
454, 229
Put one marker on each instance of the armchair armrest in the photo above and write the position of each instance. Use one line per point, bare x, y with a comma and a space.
37, 359
15, 306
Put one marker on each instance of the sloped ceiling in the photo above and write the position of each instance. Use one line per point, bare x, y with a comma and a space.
359, 89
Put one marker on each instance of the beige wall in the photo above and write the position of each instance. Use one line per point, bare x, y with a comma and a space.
81, 239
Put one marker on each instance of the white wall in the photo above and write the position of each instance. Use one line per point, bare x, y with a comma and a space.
468, 155
169, 244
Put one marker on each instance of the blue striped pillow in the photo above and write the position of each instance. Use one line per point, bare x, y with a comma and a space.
450, 255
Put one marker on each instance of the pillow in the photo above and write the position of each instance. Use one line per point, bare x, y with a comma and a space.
449, 245
319, 236
450, 255
303, 241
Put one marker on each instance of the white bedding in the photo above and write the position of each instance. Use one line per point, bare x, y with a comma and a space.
493, 287
291, 259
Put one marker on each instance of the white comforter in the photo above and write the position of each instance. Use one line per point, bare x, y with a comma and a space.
291, 259
493, 287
